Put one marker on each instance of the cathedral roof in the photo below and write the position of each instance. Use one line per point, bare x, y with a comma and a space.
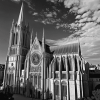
65, 49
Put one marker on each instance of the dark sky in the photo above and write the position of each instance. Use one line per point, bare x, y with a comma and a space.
9, 11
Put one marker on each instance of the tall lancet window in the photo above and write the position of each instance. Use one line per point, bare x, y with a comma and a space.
76, 65
13, 38
63, 64
35, 80
70, 63
57, 67
57, 64
70, 67
63, 67
16, 38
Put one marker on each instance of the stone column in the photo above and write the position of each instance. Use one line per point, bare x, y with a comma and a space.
49, 78
53, 67
33, 80
25, 66
18, 73
74, 78
17, 70
44, 77
47, 83
79, 77
37, 85
42, 83
60, 78
67, 76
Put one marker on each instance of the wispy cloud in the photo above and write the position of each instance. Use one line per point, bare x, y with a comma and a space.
17, 1
95, 53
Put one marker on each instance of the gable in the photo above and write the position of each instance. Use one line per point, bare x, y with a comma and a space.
36, 46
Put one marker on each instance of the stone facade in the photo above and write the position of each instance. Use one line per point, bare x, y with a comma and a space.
59, 72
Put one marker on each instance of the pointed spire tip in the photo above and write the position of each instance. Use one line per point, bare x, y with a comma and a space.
21, 19
43, 32
36, 34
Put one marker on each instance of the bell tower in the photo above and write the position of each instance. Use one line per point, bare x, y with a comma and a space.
19, 44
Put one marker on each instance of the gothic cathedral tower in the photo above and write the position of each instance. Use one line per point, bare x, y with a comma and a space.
19, 45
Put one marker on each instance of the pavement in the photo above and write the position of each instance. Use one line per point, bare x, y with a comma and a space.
21, 97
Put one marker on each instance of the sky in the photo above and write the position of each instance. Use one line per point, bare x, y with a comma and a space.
87, 16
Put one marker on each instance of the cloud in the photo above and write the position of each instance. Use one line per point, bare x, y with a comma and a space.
16, 1
95, 53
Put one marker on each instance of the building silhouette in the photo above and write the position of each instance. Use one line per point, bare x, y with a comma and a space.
58, 72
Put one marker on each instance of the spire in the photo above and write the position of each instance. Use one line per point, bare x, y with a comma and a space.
13, 21
36, 34
31, 41
79, 49
21, 19
12, 27
43, 42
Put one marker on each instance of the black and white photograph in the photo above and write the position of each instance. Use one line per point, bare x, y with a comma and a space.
49, 49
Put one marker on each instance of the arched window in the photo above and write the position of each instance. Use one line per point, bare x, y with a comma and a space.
13, 38
76, 66
63, 66
70, 63
35, 80
57, 60
16, 38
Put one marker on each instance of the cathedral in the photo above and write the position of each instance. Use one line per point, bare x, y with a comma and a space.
57, 70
